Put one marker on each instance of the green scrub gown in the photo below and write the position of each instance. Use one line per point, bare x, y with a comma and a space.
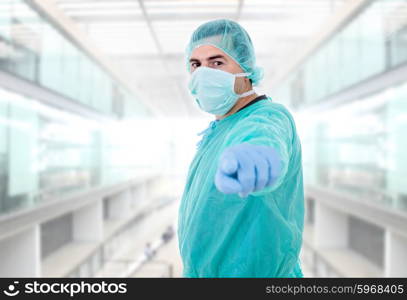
223, 235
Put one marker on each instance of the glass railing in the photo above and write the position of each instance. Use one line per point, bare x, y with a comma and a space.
360, 148
371, 43
33, 48
46, 153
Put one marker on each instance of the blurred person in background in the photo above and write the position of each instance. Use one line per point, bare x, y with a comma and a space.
242, 208
149, 252
167, 234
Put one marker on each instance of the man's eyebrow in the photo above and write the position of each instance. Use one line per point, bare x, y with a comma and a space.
209, 58
216, 56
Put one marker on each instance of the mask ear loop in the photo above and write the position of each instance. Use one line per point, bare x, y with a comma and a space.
246, 93
241, 74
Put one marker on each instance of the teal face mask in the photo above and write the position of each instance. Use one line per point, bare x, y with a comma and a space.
214, 89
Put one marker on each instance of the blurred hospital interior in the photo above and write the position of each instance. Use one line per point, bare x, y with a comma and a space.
98, 128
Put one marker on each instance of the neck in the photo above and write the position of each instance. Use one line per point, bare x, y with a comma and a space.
238, 105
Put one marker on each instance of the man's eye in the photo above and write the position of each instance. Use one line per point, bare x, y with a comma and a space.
194, 64
218, 63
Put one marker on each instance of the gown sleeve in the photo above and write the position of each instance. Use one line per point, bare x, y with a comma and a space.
268, 127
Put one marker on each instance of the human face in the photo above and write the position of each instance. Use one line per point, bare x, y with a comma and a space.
213, 57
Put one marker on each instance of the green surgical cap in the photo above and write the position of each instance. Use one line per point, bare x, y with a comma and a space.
232, 39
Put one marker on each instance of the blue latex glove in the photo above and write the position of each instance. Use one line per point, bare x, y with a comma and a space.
245, 168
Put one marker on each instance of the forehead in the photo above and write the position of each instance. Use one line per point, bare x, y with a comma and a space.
205, 51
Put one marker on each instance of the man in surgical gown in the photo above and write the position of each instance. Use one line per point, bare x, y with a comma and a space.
235, 218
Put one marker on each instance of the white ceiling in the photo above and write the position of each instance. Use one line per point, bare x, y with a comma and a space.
147, 38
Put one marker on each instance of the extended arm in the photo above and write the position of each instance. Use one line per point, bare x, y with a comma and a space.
257, 159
